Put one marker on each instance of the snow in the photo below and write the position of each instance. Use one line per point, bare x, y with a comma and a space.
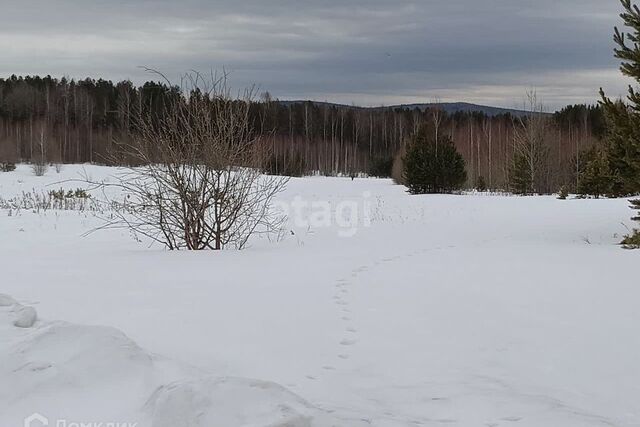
198, 403
25, 317
468, 310
82, 373
7, 301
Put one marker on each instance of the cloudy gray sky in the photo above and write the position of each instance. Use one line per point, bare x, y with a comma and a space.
368, 52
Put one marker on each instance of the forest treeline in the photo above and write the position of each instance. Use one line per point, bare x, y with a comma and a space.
69, 121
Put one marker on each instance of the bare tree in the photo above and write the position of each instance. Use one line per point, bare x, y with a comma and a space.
198, 184
487, 128
531, 135
437, 115
39, 160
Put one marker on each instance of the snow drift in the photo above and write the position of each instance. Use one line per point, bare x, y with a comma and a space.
97, 374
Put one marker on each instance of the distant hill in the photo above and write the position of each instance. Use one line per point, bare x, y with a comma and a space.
465, 107
449, 107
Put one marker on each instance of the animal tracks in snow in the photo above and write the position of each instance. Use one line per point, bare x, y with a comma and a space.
342, 297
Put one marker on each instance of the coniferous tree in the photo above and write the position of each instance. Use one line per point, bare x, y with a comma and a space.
433, 166
7, 166
381, 167
563, 194
481, 184
635, 204
623, 120
520, 177
595, 177
633, 241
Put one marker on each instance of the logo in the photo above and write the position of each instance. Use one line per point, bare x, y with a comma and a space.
36, 420
39, 420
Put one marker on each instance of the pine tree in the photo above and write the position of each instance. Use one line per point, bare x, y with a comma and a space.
633, 241
7, 166
481, 184
595, 178
623, 121
563, 193
635, 204
520, 180
432, 166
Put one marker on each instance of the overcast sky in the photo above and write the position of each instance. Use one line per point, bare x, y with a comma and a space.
368, 52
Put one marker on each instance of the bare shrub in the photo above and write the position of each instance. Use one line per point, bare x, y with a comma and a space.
78, 200
397, 168
39, 164
197, 183
39, 168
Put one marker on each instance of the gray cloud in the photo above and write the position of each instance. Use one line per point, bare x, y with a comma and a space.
362, 51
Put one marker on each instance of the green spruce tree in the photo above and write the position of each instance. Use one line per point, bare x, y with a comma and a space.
623, 120
433, 167
563, 194
595, 177
520, 177
633, 240
481, 184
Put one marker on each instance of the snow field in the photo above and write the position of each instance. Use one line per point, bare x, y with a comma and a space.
446, 310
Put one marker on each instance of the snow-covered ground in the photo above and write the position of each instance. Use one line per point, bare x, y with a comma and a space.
435, 310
